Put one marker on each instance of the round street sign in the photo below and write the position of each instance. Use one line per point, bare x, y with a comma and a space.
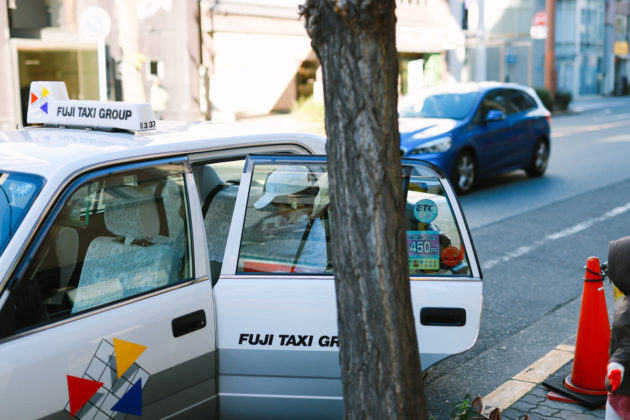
95, 23
540, 18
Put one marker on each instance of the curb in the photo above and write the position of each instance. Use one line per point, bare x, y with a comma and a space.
523, 382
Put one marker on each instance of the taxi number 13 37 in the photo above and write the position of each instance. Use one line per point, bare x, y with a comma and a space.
144, 125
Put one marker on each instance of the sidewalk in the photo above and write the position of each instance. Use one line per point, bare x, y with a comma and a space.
595, 102
538, 406
285, 122
525, 394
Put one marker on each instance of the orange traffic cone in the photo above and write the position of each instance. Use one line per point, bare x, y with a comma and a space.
586, 383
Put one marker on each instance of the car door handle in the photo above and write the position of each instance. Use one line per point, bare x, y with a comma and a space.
443, 317
188, 323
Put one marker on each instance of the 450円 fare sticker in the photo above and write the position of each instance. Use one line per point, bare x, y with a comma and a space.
423, 248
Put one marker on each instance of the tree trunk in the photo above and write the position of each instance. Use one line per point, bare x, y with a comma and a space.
380, 366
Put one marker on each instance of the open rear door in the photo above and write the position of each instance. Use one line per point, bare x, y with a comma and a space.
276, 307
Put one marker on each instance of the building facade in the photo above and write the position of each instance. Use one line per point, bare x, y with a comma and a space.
505, 41
581, 46
219, 59
621, 60
230, 59
103, 49
263, 60
499, 45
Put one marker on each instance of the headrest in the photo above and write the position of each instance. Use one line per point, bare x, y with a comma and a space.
67, 246
206, 179
131, 212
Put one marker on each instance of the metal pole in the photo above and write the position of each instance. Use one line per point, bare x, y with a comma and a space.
481, 71
102, 70
550, 57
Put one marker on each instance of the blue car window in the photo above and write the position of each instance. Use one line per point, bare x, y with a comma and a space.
495, 100
17, 193
522, 101
455, 105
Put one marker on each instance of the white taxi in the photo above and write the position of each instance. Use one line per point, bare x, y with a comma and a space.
184, 270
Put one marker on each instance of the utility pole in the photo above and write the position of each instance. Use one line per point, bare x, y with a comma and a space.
132, 77
608, 87
481, 70
550, 43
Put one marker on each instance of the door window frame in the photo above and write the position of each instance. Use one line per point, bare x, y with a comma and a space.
232, 249
52, 213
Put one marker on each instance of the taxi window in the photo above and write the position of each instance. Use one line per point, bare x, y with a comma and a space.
17, 192
434, 242
115, 237
286, 221
287, 229
217, 185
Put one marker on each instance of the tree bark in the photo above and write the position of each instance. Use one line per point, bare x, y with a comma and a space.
380, 366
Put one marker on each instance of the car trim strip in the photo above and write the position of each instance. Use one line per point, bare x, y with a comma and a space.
109, 306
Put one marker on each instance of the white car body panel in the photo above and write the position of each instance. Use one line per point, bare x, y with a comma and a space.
223, 375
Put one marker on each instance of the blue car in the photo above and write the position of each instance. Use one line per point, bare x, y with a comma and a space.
475, 130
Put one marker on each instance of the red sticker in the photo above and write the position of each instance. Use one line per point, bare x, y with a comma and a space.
80, 391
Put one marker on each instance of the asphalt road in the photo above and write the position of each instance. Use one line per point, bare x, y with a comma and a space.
533, 237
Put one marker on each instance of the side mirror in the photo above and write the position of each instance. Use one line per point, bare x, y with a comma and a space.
495, 115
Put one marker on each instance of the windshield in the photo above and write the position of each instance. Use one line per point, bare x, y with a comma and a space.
455, 105
17, 192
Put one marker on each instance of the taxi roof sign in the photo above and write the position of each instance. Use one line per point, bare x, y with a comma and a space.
49, 104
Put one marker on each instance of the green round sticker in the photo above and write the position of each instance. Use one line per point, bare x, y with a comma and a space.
425, 211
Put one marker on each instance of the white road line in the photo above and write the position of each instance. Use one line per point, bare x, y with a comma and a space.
590, 128
558, 235
619, 116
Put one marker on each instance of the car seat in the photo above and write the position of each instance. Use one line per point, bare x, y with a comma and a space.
217, 220
129, 262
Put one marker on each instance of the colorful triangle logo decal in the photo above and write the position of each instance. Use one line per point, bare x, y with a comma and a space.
45, 92
80, 391
126, 354
131, 402
33, 97
44, 107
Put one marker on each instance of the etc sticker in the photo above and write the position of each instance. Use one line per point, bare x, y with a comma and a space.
425, 211
423, 249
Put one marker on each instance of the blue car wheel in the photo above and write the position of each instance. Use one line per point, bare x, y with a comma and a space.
540, 159
464, 172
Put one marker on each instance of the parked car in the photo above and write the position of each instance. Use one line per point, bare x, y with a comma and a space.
183, 270
475, 130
